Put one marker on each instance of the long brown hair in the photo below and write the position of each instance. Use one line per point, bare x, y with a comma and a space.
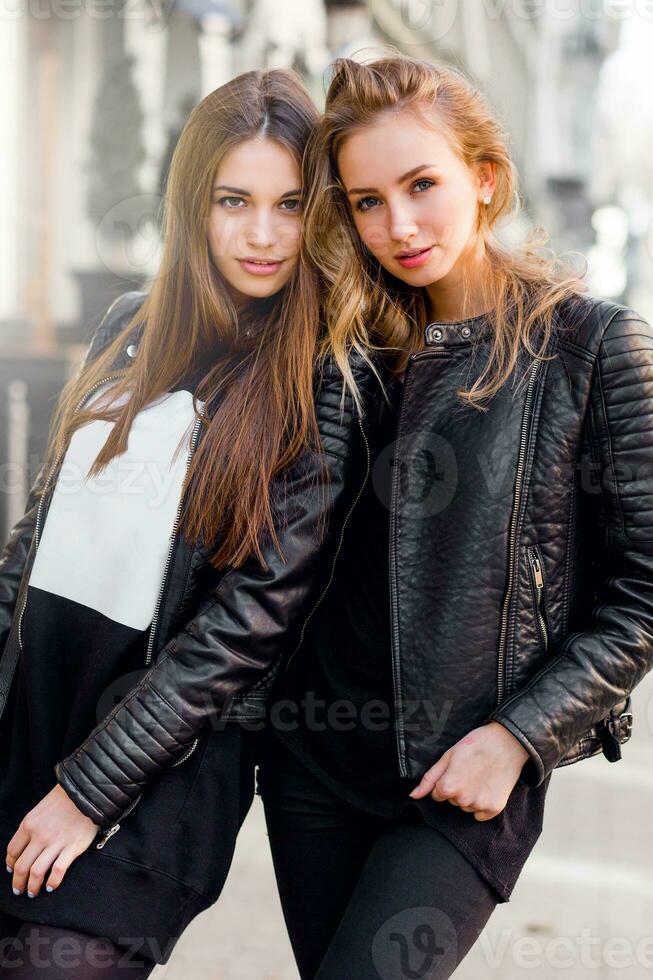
364, 306
264, 375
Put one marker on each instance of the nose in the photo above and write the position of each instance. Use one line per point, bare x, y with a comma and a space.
260, 233
403, 227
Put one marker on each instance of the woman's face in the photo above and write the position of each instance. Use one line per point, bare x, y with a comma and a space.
254, 221
413, 200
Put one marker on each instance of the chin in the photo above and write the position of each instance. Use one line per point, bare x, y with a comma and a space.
264, 289
420, 277
259, 289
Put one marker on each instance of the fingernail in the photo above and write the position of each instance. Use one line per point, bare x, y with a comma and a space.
48, 888
16, 891
30, 894
10, 870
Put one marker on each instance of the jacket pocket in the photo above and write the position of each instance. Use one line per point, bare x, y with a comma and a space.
538, 588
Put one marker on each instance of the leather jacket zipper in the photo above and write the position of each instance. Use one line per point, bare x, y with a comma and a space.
433, 351
443, 351
106, 834
394, 586
339, 547
537, 576
512, 547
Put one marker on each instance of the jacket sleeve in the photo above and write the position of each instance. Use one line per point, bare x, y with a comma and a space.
598, 667
14, 557
242, 626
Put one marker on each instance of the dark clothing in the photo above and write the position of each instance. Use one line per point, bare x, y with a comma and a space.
37, 952
345, 660
507, 603
167, 774
85, 632
345, 654
165, 866
521, 540
366, 896
92, 593
221, 633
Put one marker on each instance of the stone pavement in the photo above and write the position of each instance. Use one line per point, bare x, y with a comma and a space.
582, 908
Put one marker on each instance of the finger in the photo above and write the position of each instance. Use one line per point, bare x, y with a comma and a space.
430, 778
60, 866
485, 814
441, 795
40, 868
16, 846
23, 865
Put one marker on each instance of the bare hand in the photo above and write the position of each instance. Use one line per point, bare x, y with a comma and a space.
51, 836
478, 773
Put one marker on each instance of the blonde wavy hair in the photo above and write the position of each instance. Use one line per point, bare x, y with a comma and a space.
366, 308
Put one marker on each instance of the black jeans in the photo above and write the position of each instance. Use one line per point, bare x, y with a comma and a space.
364, 896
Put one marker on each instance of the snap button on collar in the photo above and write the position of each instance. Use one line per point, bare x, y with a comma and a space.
434, 334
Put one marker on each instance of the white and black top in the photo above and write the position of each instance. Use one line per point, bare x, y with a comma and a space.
92, 591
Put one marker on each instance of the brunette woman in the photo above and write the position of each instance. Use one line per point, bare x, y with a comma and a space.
169, 546
492, 604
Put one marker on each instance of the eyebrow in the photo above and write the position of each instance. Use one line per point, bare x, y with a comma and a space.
239, 190
406, 176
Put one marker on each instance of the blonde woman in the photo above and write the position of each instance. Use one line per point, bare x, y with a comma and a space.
492, 605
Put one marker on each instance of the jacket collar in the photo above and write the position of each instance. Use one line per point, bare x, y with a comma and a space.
458, 333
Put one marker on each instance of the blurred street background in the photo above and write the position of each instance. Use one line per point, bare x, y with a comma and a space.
93, 97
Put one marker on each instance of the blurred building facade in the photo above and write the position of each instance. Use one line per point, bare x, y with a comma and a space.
96, 92
96, 96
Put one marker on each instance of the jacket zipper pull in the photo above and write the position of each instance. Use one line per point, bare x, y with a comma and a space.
538, 578
537, 570
106, 835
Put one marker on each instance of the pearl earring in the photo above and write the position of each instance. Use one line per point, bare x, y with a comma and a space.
487, 199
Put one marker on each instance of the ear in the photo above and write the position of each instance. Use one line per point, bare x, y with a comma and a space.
487, 178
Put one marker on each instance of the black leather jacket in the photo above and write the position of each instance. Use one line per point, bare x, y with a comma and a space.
522, 542
218, 636
521, 562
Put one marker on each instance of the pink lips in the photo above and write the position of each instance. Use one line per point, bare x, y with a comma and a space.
414, 259
261, 267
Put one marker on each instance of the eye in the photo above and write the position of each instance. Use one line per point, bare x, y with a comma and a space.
423, 184
364, 203
232, 202
294, 204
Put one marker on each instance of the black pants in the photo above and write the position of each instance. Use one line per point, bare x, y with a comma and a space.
365, 896
30, 950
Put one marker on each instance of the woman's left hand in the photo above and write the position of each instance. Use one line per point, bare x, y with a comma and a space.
50, 836
478, 773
